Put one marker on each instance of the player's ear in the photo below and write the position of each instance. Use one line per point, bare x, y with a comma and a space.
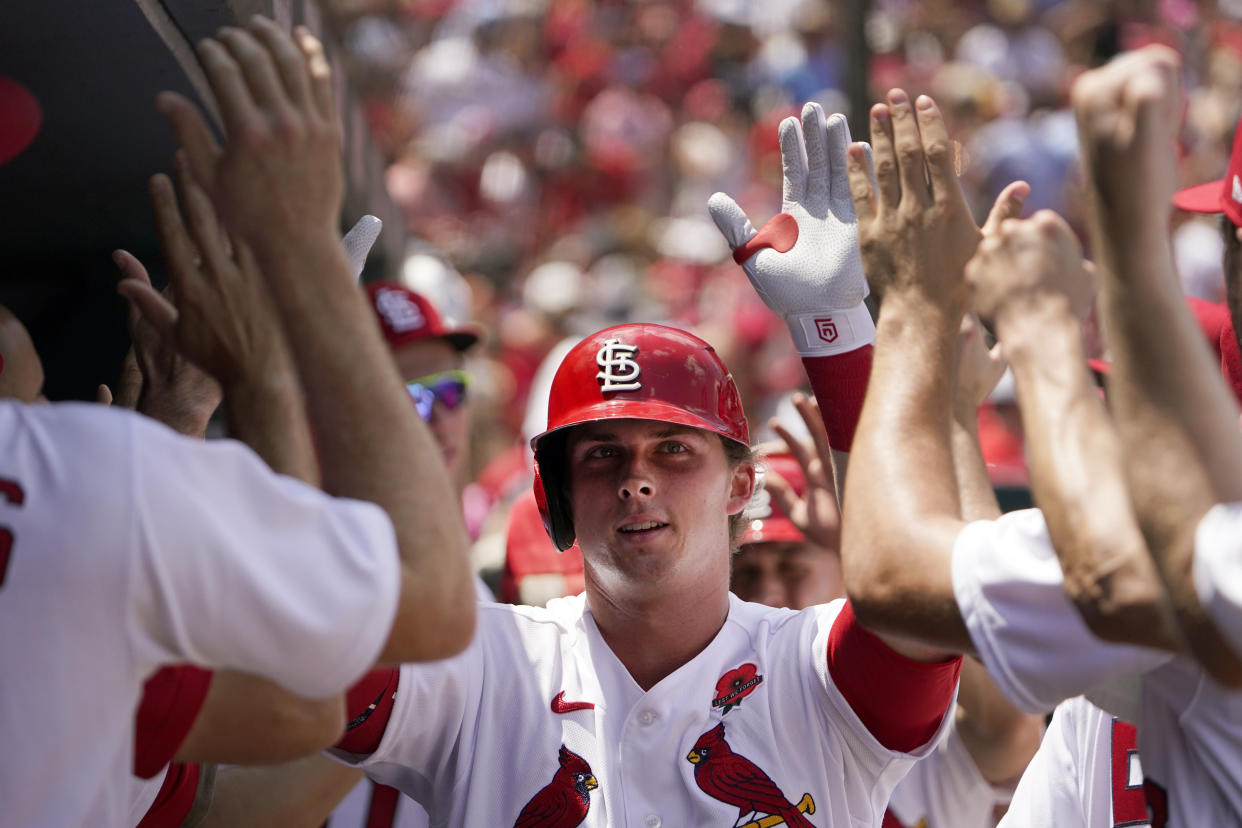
741, 486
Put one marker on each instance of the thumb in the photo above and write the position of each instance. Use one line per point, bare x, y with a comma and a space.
358, 242
730, 220
103, 395
1008, 205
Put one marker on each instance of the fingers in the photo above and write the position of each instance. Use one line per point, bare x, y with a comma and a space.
288, 60
837, 132
793, 161
320, 72
730, 220
908, 150
200, 218
180, 254
809, 410
818, 163
103, 395
192, 134
258, 70
237, 107
937, 150
153, 307
1008, 205
861, 183
887, 187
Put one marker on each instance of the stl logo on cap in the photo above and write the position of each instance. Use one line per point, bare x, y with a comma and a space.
399, 312
618, 369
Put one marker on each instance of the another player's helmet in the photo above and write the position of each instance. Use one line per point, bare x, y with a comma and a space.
640, 372
765, 521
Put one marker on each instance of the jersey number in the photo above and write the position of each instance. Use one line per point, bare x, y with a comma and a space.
11, 491
1136, 800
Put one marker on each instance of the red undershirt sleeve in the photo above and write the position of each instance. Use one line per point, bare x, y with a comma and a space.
900, 700
171, 700
368, 706
172, 804
839, 383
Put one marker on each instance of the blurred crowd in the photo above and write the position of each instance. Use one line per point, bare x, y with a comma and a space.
554, 157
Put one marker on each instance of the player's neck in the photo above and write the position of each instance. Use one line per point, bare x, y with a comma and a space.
653, 639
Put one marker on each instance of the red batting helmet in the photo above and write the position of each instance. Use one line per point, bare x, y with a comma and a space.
640, 372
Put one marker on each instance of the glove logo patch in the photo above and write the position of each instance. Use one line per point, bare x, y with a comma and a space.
618, 370
826, 328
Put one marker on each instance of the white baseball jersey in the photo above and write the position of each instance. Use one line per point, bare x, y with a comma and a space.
538, 723
946, 790
1039, 652
1218, 569
124, 546
1086, 774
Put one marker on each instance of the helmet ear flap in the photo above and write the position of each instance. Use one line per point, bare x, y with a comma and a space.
553, 505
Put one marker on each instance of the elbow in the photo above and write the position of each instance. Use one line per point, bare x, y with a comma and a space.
311, 725
1123, 600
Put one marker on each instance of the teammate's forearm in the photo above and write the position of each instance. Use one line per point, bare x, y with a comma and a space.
371, 446
267, 414
901, 497
1078, 480
974, 489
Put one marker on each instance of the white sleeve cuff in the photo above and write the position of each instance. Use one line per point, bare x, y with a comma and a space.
1217, 569
830, 332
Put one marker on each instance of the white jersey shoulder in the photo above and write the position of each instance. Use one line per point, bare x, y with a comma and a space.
126, 546
1039, 652
539, 713
946, 790
1218, 569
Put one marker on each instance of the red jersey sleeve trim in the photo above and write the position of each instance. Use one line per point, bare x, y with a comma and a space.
901, 701
368, 706
172, 804
839, 383
171, 700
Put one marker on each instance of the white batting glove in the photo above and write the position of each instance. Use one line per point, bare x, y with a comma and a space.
805, 262
358, 242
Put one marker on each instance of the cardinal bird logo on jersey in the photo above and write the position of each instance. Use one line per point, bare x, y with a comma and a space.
563, 802
735, 780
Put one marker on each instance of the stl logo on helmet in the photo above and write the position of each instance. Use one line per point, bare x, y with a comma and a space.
618, 370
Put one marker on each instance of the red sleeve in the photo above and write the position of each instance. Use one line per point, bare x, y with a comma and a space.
900, 700
839, 383
368, 706
170, 703
172, 804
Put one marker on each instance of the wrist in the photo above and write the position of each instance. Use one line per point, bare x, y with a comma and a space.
1031, 323
831, 331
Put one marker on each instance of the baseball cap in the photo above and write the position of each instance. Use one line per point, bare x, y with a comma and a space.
765, 521
406, 317
1222, 196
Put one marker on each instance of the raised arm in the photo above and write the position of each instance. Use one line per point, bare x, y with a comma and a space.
277, 184
902, 511
1178, 422
1029, 279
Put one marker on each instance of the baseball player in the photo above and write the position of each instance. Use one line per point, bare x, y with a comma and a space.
158, 562
997, 588
655, 697
1177, 420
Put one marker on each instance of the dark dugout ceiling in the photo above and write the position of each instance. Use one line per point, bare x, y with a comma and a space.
78, 190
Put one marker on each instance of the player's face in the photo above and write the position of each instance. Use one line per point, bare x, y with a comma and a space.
449, 426
651, 501
794, 574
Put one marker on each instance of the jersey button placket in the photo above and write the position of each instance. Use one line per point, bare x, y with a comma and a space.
653, 821
647, 718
